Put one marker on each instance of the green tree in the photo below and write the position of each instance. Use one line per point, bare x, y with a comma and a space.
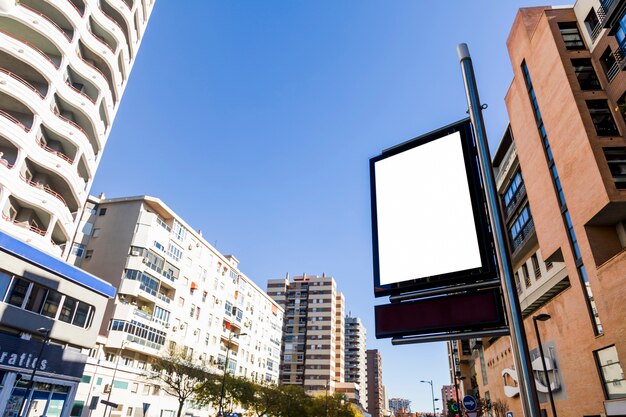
179, 376
293, 402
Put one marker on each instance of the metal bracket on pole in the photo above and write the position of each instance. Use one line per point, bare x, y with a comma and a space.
444, 291
519, 345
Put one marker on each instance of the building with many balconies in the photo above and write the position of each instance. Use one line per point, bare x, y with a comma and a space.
356, 364
561, 170
64, 65
174, 291
313, 335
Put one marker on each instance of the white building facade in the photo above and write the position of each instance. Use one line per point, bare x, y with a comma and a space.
64, 65
175, 290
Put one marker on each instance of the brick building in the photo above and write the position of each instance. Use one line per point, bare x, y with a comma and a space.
561, 169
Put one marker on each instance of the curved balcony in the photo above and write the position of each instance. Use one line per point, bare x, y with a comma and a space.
12, 107
67, 33
116, 13
30, 223
107, 70
44, 187
22, 81
108, 23
31, 54
46, 40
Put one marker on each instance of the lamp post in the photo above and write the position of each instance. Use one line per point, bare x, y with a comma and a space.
432, 392
31, 384
223, 392
544, 317
117, 362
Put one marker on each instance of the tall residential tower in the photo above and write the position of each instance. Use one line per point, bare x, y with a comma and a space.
313, 335
64, 65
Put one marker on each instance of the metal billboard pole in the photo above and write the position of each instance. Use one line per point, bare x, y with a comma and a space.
519, 344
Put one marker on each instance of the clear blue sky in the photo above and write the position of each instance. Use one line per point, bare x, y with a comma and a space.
255, 120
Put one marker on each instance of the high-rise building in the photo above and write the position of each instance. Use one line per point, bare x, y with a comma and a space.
562, 171
64, 65
313, 334
399, 405
356, 364
176, 292
448, 393
375, 395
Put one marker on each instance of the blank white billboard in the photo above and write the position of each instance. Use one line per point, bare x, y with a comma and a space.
425, 221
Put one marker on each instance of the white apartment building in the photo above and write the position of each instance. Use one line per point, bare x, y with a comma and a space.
64, 65
174, 290
356, 361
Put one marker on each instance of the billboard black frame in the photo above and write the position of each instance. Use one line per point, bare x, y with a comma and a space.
488, 269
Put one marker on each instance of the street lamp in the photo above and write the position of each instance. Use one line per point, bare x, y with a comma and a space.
432, 392
544, 317
31, 384
230, 337
117, 362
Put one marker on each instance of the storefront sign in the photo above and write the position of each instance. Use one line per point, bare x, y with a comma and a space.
20, 353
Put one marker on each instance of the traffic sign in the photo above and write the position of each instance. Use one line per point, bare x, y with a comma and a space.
472, 413
469, 403
509, 414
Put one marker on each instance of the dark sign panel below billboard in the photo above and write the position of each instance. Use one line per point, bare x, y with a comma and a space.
472, 311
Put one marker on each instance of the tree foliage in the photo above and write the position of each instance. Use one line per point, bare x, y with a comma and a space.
179, 376
274, 401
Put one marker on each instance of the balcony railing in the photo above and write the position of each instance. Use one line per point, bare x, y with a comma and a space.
515, 200
43, 16
76, 125
6, 163
57, 153
102, 41
25, 225
14, 120
45, 187
32, 46
526, 231
21, 80
79, 92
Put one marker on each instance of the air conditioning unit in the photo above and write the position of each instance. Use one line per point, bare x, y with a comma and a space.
167, 325
107, 388
145, 260
195, 332
174, 328
182, 326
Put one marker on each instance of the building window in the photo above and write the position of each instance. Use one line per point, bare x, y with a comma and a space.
511, 190
571, 36
616, 159
592, 23
536, 268
611, 373
602, 118
45, 301
609, 64
96, 232
89, 254
102, 212
78, 250
521, 227
586, 75
527, 281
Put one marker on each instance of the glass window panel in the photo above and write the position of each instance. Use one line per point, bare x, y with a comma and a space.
67, 311
51, 305
35, 298
17, 292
